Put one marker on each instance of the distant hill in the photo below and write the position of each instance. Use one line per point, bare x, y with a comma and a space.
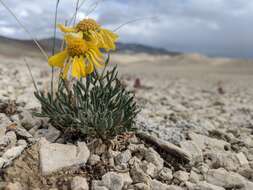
9, 46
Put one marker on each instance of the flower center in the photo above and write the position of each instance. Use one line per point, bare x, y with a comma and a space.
76, 46
87, 24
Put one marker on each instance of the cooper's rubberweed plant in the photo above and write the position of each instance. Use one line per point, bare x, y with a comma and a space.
87, 102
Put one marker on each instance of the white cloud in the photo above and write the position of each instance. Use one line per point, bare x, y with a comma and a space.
214, 27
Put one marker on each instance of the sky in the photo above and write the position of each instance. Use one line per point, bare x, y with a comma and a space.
212, 27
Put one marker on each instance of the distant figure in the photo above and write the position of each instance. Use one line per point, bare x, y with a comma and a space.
137, 83
220, 88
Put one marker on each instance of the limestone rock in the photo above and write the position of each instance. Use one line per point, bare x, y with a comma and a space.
51, 134
113, 181
149, 168
79, 183
221, 177
11, 154
165, 174
242, 159
152, 156
123, 157
182, 176
61, 156
205, 141
138, 175
157, 185
13, 186
207, 186
141, 186
93, 159
193, 149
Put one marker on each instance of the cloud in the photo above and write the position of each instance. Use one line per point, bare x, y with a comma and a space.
212, 27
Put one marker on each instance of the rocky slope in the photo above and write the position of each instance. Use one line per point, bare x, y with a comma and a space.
198, 133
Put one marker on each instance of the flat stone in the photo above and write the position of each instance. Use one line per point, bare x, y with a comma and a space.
79, 183
61, 156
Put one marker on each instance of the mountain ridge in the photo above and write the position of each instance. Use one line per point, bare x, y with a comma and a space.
47, 44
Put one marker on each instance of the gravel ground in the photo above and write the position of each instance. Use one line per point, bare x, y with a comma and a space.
204, 106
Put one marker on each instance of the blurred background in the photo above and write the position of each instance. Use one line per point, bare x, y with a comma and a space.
211, 27
209, 42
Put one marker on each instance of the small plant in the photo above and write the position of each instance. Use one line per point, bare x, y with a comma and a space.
85, 103
99, 107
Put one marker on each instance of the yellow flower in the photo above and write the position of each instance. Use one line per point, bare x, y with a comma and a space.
91, 30
79, 56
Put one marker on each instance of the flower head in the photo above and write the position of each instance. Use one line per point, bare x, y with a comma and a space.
91, 30
79, 56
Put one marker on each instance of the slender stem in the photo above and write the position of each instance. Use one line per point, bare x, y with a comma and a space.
26, 30
76, 11
53, 48
132, 21
30, 72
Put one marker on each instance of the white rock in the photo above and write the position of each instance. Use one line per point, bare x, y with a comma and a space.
204, 141
194, 177
182, 176
93, 159
193, 149
166, 174
138, 175
152, 156
222, 178
242, 159
13, 186
141, 186
113, 181
98, 185
51, 134
127, 180
207, 186
79, 183
11, 154
61, 156
149, 168
157, 185
9, 139
123, 157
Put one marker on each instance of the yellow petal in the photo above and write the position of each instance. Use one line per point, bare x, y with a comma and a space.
89, 68
65, 71
94, 60
58, 59
65, 29
82, 67
76, 68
